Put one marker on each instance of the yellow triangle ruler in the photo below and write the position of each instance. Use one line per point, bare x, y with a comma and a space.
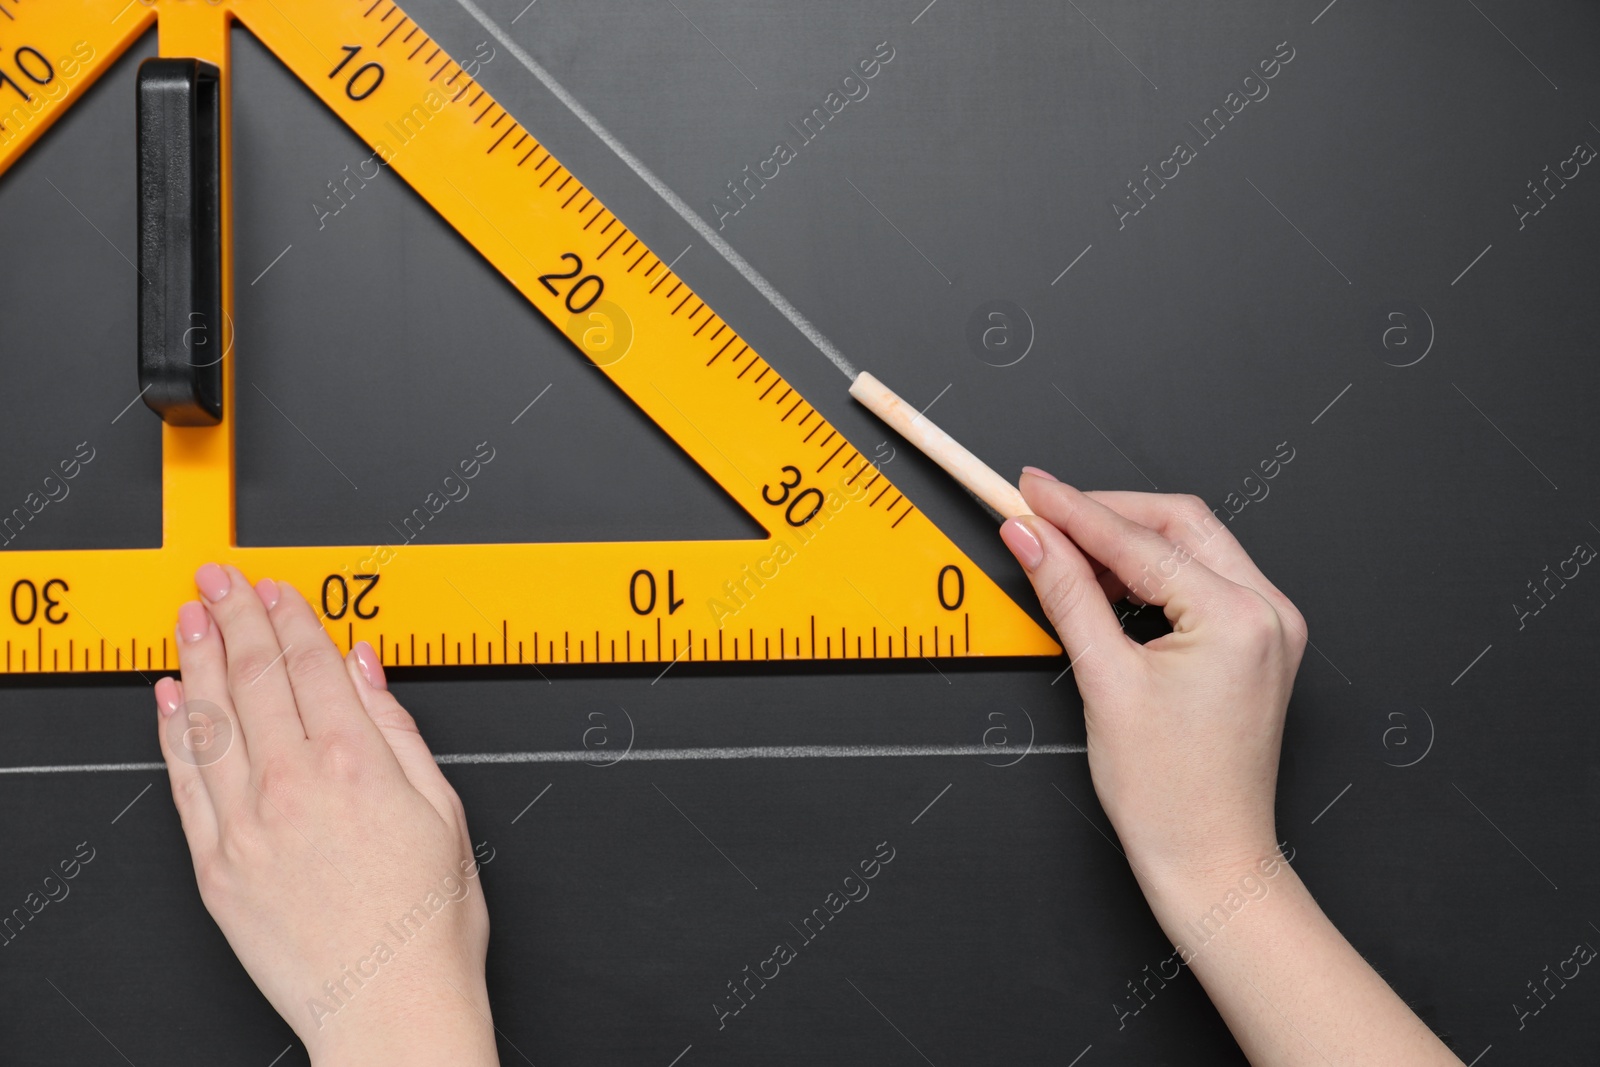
850, 568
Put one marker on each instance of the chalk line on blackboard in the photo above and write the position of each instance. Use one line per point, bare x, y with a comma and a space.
661, 189
586, 756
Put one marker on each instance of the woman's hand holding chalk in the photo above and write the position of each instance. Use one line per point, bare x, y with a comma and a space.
940, 447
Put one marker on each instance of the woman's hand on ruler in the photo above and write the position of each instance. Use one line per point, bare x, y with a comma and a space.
327, 844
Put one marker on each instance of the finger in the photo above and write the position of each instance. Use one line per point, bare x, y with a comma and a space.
189, 793
1112, 586
1067, 589
322, 688
1148, 564
204, 732
399, 729
258, 681
1187, 521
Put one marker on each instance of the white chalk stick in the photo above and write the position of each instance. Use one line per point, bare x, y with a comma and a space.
939, 446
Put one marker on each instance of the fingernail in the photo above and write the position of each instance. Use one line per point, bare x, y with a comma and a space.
371, 668
1037, 473
212, 581
267, 590
169, 695
1022, 543
193, 621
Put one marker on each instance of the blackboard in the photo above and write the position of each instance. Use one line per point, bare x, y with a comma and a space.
1378, 260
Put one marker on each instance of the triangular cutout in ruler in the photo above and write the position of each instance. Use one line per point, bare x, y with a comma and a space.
449, 349
851, 570
67, 218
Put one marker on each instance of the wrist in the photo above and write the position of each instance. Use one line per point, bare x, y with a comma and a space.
447, 1026
1195, 901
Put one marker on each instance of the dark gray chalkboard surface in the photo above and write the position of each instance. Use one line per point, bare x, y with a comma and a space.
1363, 262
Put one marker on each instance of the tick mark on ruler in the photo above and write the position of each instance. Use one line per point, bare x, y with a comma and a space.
397, 27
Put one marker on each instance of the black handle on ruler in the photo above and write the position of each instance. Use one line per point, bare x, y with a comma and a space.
180, 240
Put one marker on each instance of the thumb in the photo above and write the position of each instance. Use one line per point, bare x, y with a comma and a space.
399, 729
1070, 593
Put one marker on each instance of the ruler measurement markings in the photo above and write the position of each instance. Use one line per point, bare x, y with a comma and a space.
785, 403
